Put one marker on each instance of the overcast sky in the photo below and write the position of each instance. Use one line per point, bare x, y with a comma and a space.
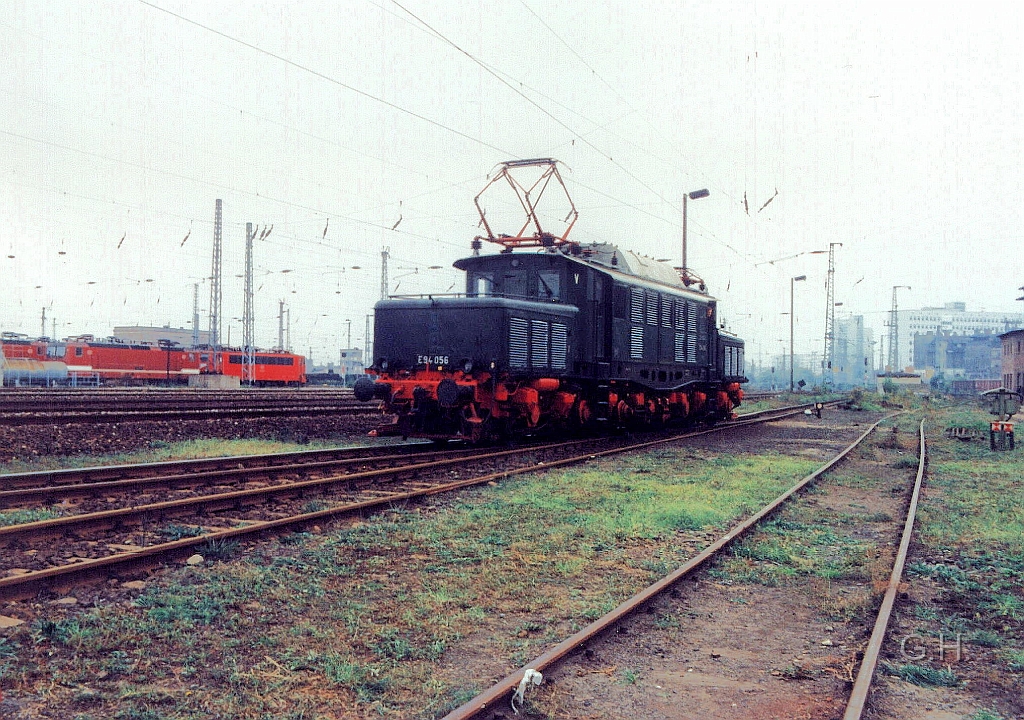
891, 128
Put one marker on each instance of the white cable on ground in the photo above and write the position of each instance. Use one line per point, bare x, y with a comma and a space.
518, 697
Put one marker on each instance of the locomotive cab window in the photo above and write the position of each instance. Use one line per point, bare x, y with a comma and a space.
548, 285
514, 284
480, 284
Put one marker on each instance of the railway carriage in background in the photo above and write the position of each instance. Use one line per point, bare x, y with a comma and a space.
568, 336
111, 361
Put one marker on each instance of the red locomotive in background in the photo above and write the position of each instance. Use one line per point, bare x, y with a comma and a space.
84, 360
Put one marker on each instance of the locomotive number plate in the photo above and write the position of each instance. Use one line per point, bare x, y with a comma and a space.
431, 359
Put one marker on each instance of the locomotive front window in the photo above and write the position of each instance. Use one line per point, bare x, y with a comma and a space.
514, 285
548, 285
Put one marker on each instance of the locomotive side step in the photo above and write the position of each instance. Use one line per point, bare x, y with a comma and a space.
601, 407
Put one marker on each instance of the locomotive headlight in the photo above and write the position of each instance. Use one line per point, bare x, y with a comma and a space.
467, 367
383, 364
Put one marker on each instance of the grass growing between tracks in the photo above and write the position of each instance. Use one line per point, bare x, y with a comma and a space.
967, 564
831, 548
382, 617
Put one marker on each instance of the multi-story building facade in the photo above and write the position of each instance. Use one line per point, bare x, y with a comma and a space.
351, 362
853, 360
953, 318
971, 357
1013, 360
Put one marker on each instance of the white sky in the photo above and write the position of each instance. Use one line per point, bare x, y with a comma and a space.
891, 128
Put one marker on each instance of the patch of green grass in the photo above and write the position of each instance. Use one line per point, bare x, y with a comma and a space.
1005, 606
981, 503
950, 576
450, 698
67, 631
366, 680
219, 549
986, 638
923, 675
315, 506
984, 714
906, 462
178, 532
787, 549
20, 517
1014, 659
925, 612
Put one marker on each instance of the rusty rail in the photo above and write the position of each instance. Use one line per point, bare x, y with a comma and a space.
503, 689
859, 695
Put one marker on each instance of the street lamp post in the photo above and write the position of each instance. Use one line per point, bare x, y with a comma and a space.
695, 195
792, 283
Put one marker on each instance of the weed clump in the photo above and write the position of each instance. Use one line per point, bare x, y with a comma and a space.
923, 675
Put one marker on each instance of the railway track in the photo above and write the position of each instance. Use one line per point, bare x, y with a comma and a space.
148, 395
513, 688
110, 405
121, 520
19, 408
62, 417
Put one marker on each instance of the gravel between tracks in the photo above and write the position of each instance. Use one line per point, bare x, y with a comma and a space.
29, 442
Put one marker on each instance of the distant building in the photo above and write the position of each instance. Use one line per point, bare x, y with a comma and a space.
952, 318
1013, 360
853, 361
351, 362
971, 357
139, 334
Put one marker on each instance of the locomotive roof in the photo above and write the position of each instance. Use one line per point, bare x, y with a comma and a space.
400, 303
628, 265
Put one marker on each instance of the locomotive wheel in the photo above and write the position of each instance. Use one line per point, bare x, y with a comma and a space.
582, 414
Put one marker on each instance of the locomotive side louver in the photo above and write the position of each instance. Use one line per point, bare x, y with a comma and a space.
518, 334
538, 343
636, 306
559, 345
680, 347
680, 315
636, 342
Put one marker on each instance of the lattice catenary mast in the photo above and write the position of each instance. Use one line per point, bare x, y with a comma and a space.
215, 275
384, 255
195, 315
894, 335
247, 313
830, 317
